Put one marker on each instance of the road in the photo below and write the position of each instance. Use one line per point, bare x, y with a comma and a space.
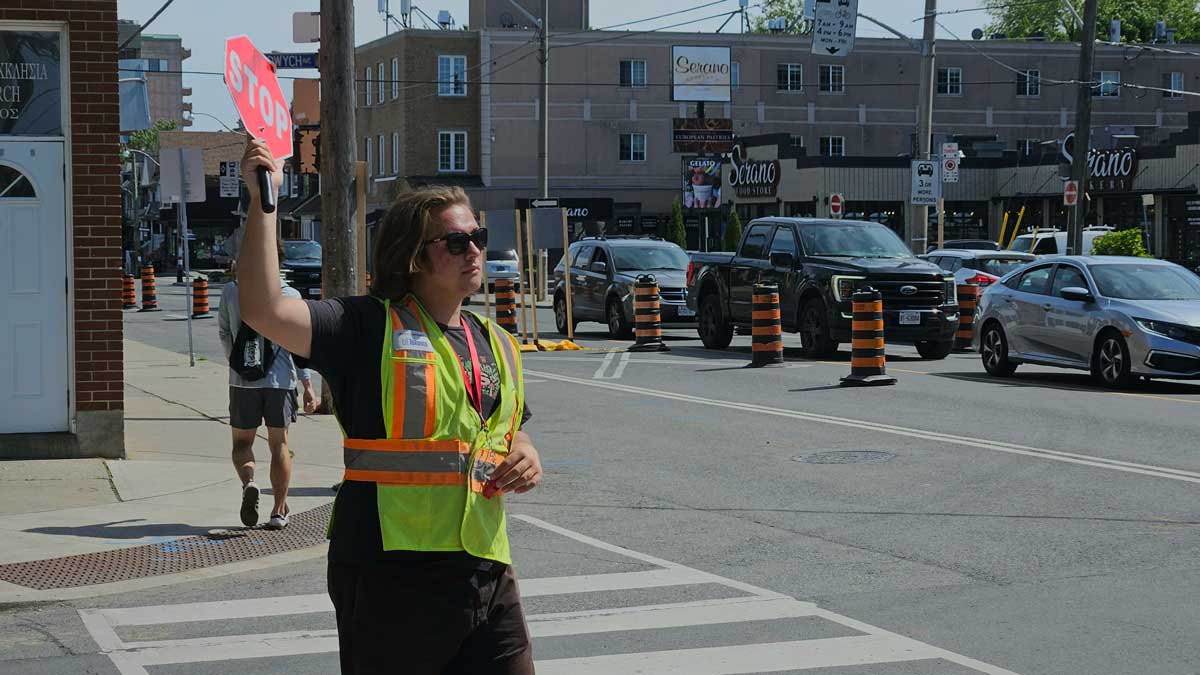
702, 517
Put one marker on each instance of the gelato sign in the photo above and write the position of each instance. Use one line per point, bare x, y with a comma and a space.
30, 84
702, 183
751, 178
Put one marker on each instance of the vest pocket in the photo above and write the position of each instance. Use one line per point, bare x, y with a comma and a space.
420, 518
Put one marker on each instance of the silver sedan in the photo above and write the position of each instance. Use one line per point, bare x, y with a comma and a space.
1118, 317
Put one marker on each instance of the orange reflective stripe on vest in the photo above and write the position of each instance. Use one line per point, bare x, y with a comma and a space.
412, 416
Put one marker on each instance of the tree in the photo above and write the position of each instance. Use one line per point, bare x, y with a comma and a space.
676, 231
733, 231
1021, 20
146, 140
1125, 242
790, 10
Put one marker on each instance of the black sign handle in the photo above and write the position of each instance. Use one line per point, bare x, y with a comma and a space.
266, 191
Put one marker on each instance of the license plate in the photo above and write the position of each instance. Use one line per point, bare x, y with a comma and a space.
314, 292
684, 311
910, 318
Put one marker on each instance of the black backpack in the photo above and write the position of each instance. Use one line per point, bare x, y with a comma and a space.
252, 354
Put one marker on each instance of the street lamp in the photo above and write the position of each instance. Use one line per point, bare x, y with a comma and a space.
188, 114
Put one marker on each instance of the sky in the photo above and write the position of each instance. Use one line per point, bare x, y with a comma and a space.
204, 25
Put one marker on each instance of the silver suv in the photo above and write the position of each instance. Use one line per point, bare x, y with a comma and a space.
603, 272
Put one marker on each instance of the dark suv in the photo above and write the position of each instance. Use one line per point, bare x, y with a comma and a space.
603, 272
302, 266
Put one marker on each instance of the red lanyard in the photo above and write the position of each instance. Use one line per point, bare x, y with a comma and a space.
475, 393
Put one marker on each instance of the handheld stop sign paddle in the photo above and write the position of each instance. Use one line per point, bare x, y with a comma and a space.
251, 79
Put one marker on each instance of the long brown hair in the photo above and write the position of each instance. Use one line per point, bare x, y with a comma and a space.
407, 223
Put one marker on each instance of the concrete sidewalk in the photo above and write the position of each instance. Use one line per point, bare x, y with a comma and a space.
177, 482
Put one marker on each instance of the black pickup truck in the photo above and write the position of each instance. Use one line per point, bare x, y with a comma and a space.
818, 264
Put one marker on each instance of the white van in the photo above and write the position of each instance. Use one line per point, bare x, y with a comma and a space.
1053, 241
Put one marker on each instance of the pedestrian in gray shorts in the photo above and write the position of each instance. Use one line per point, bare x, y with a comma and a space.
270, 399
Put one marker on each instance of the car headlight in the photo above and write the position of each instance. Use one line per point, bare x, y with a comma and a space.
1172, 330
951, 291
843, 286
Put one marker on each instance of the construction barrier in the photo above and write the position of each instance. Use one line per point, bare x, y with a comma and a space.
200, 299
128, 292
506, 305
647, 316
867, 361
149, 291
766, 327
968, 300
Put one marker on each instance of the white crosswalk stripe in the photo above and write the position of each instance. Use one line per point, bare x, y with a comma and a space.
859, 643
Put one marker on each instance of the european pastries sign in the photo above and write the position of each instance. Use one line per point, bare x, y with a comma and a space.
30, 84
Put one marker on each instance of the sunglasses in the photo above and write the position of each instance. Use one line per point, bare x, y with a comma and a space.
456, 242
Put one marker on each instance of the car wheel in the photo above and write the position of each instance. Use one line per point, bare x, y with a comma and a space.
715, 331
935, 351
618, 325
560, 315
994, 352
815, 342
1111, 365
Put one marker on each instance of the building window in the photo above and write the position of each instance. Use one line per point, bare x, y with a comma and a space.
379, 69
633, 148
833, 146
1174, 82
1029, 83
368, 155
735, 75
1108, 83
949, 81
367, 75
395, 78
789, 77
452, 75
382, 155
633, 73
797, 142
395, 153
832, 79
452, 151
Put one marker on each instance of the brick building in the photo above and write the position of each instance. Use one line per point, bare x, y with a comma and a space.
60, 215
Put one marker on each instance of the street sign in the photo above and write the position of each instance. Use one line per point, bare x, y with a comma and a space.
548, 203
257, 96
181, 171
833, 27
836, 205
229, 179
949, 162
294, 61
306, 27
1070, 193
925, 186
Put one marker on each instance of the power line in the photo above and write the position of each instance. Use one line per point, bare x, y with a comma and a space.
990, 7
145, 25
637, 21
628, 34
1018, 71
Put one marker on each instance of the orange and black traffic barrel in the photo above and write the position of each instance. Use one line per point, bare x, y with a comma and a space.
968, 300
647, 316
867, 361
128, 292
149, 291
506, 305
200, 299
766, 327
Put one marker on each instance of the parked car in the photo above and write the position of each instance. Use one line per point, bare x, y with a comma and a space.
302, 266
1118, 317
503, 264
603, 272
1052, 241
981, 268
818, 264
973, 244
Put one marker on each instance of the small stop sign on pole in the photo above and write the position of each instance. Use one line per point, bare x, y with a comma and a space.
1071, 192
251, 79
835, 205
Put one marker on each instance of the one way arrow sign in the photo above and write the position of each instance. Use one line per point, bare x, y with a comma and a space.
834, 23
549, 203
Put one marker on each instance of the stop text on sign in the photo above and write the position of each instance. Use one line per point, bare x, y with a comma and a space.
251, 80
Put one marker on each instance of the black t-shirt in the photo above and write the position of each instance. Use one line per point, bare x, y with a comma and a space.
347, 347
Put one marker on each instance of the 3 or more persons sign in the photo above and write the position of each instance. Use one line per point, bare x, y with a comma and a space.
251, 79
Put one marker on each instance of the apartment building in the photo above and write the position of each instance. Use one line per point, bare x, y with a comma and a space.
159, 59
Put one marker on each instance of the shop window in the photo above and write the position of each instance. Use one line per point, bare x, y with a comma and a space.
15, 185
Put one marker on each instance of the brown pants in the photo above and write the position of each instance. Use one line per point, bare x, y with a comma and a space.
429, 619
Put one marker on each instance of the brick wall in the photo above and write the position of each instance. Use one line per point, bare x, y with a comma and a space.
94, 170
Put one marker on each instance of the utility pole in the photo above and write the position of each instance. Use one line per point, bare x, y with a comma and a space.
544, 136
1083, 127
339, 150
918, 215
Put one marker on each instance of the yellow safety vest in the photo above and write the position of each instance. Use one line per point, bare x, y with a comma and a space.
431, 468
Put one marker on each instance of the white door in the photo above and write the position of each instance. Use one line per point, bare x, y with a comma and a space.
33, 297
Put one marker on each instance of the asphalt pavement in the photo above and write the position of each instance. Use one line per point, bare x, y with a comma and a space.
699, 516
